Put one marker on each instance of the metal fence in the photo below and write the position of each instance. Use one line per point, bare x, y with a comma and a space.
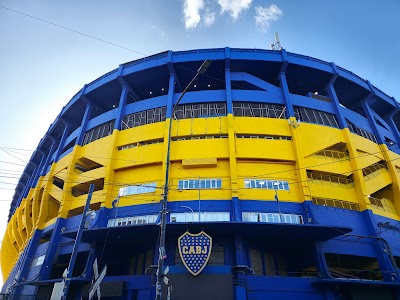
335, 203
333, 154
383, 204
374, 170
330, 179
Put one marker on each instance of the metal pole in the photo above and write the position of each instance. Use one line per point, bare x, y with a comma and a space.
191, 209
161, 251
275, 184
74, 253
279, 206
199, 198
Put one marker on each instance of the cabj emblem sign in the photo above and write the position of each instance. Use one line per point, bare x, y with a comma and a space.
195, 250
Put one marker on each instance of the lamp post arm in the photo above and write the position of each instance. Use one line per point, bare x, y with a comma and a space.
200, 71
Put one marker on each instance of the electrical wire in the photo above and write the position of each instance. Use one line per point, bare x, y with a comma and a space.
254, 176
13, 155
72, 30
112, 183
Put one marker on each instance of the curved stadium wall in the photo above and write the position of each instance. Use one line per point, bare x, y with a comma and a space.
291, 164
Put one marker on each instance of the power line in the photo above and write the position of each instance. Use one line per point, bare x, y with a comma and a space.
112, 183
19, 149
72, 30
7, 162
13, 155
241, 177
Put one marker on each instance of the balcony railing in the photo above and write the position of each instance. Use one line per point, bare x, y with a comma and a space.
333, 154
374, 170
383, 204
319, 97
330, 179
335, 203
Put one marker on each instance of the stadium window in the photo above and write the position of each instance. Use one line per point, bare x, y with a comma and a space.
272, 218
195, 184
258, 110
134, 220
190, 111
266, 184
98, 132
149, 116
204, 217
137, 189
309, 115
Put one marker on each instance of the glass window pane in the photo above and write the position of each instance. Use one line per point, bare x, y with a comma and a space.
219, 183
202, 184
208, 184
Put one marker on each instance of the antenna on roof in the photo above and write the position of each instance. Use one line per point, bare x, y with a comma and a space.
277, 45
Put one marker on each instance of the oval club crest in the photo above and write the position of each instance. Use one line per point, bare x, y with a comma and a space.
195, 250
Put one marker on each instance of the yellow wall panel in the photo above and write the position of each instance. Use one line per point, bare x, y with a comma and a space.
265, 126
199, 126
142, 155
138, 134
203, 148
317, 137
365, 159
98, 151
328, 164
331, 190
264, 149
377, 182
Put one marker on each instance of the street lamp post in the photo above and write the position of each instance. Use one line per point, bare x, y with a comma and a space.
277, 200
191, 209
163, 225
188, 207
199, 198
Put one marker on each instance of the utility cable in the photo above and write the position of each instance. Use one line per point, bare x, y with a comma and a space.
72, 30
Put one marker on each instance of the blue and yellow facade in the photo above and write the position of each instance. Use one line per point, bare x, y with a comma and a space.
291, 164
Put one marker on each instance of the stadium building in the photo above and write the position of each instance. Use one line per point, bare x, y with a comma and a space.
290, 164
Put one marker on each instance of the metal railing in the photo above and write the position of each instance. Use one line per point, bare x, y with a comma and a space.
360, 274
383, 204
319, 97
374, 170
332, 179
333, 154
335, 203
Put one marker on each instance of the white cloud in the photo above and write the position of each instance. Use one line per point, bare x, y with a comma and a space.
234, 7
209, 18
191, 12
266, 15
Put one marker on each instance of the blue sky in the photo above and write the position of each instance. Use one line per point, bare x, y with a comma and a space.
42, 66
